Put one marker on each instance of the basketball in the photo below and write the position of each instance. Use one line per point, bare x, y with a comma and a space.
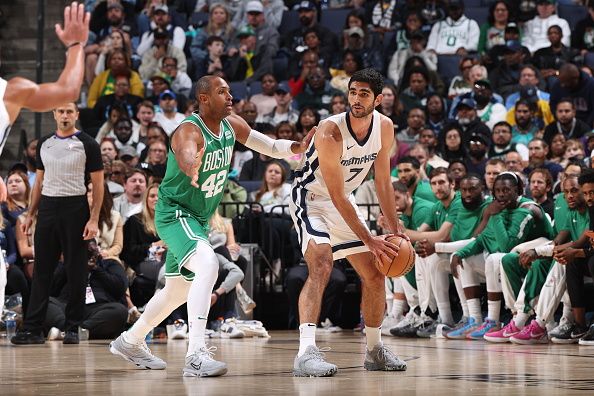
401, 264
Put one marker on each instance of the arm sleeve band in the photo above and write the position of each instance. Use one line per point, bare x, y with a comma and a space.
545, 250
261, 143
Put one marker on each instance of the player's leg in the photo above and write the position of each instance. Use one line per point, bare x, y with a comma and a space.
470, 274
408, 326
377, 357
204, 265
494, 296
312, 231
440, 286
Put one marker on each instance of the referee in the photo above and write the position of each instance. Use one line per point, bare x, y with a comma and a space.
64, 223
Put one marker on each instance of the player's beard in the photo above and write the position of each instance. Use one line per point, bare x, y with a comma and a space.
475, 203
362, 113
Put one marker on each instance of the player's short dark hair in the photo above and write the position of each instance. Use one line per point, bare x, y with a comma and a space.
203, 85
503, 123
515, 179
400, 187
371, 77
440, 170
545, 173
586, 177
410, 160
473, 176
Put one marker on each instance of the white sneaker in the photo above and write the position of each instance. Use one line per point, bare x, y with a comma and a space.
388, 323
177, 331
328, 326
55, 334
228, 330
251, 328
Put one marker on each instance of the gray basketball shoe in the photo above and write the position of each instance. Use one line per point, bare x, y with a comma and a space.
312, 364
139, 354
383, 359
201, 364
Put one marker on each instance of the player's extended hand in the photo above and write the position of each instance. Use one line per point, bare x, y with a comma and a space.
566, 256
381, 248
456, 261
306, 140
76, 25
195, 169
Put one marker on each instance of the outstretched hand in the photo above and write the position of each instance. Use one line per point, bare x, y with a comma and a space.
195, 169
76, 25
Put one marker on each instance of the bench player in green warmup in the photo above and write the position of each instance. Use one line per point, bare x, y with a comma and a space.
197, 168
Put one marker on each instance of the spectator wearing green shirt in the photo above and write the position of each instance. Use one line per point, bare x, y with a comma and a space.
409, 173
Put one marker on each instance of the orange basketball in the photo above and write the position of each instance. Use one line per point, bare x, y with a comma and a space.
401, 264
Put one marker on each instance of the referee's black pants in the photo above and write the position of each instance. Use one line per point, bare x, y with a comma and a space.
60, 225
576, 271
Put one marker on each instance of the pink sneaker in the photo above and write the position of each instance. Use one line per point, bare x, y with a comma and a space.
531, 334
504, 334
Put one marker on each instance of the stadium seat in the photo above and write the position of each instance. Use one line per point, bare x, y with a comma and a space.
572, 13
448, 67
335, 19
254, 88
289, 22
280, 67
238, 89
479, 14
473, 3
250, 185
199, 19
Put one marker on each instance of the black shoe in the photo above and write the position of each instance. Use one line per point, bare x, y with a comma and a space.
588, 338
578, 331
71, 337
27, 338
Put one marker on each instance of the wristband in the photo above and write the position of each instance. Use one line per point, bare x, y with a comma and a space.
73, 45
545, 250
217, 294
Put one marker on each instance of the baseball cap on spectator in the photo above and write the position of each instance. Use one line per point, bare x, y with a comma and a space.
468, 102
163, 76
530, 93
128, 151
282, 88
162, 8
246, 31
355, 30
115, 5
513, 45
305, 6
483, 83
254, 6
160, 34
476, 137
512, 27
169, 93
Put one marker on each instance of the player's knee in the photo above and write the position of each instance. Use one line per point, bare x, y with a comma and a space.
375, 278
321, 270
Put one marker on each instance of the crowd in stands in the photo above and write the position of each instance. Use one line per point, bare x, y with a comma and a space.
470, 100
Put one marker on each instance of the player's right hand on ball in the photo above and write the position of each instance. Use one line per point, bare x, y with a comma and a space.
383, 250
196, 167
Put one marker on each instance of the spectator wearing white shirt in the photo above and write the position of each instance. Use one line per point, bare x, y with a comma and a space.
169, 118
457, 34
534, 35
130, 202
181, 83
161, 20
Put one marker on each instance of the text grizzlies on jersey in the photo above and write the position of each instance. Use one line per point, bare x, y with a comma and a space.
358, 160
217, 159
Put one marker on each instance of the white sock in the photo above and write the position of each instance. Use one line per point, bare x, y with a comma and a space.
374, 336
445, 313
465, 309
541, 323
474, 309
307, 337
205, 265
493, 310
567, 313
520, 320
174, 294
398, 308
137, 333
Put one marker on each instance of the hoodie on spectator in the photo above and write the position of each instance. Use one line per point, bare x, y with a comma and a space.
447, 36
535, 37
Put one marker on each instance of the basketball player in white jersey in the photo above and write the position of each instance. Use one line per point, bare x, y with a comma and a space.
330, 225
19, 93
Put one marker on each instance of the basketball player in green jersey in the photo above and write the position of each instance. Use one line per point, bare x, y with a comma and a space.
197, 168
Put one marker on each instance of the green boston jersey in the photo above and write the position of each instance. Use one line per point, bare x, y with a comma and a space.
420, 210
560, 212
440, 214
424, 191
177, 194
467, 220
576, 223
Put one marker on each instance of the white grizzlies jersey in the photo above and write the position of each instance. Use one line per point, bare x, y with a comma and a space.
4, 119
356, 160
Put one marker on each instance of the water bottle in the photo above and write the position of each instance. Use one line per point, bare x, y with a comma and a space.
83, 334
10, 328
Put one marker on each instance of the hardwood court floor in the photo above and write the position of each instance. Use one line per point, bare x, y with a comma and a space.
263, 367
